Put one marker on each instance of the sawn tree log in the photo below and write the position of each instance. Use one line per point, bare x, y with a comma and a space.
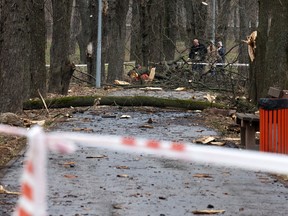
77, 101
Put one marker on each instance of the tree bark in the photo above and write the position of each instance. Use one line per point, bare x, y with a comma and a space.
135, 51
38, 71
14, 56
75, 26
117, 12
170, 29
244, 31
84, 35
196, 17
224, 8
270, 65
61, 68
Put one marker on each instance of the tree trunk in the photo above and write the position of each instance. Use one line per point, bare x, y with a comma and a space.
155, 21
224, 8
277, 46
75, 26
84, 35
196, 17
116, 38
270, 65
37, 51
61, 68
121, 101
135, 51
14, 56
144, 31
48, 19
244, 31
170, 29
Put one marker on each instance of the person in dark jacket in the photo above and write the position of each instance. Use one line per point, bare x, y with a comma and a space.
197, 54
221, 53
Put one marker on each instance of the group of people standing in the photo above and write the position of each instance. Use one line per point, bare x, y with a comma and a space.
200, 55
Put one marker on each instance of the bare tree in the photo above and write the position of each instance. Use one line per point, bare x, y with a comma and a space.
74, 29
223, 15
37, 68
61, 68
84, 34
14, 57
170, 29
117, 12
196, 18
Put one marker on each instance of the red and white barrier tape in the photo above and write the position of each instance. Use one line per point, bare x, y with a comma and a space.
32, 201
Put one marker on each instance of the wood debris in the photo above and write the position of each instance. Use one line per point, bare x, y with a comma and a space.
4, 191
205, 140
202, 212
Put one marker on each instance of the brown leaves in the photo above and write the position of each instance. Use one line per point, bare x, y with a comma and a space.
68, 176
202, 212
202, 175
69, 164
122, 167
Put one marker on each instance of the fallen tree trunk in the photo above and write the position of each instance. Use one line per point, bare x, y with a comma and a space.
78, 101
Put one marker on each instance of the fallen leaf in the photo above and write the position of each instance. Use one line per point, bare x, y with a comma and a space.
77, 129
202, 175
70, 176
120, 82
117, 206
70, 164
122, 167
208, 212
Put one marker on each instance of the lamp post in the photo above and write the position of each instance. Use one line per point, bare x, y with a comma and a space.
213, 18
99, 44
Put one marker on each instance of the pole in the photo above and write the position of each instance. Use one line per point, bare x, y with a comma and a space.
99, 44
213, 20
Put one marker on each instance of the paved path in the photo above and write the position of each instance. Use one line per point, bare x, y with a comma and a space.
150, 186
